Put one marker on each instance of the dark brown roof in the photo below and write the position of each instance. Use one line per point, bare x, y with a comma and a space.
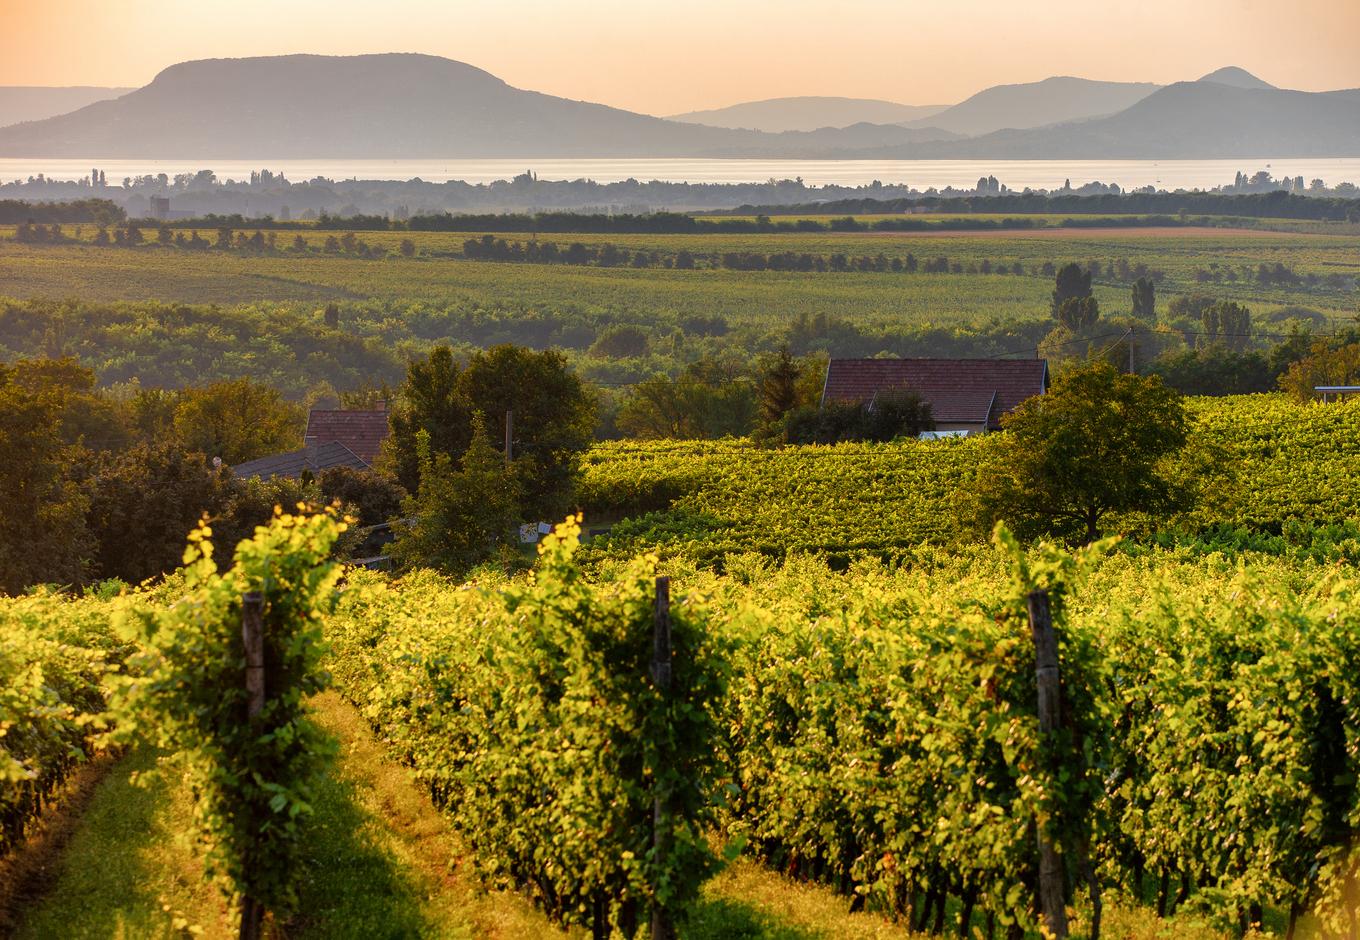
361, 431
962, 391
291, 464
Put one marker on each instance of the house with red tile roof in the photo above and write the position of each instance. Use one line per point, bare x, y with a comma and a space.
965, 395
363, 432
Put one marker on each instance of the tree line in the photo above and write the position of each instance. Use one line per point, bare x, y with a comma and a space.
1273, 205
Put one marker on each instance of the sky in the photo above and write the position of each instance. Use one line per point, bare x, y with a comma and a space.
680, 55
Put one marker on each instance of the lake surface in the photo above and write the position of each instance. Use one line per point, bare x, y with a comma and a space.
920, 174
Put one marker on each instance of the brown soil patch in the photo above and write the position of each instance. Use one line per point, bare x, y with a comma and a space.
30, 871
1062, 232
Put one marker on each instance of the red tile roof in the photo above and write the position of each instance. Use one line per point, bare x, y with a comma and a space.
361, 431
962, 391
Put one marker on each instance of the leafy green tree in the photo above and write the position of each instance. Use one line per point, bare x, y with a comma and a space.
143, 504
1079, 314
1095, 444
238, 420
621, 342
888, 418
1227, 323
459, 516
373, 497
553, 418
708, 400
1145, 300
1324, 366
42, 510
1070, 282
779, 387
85, 417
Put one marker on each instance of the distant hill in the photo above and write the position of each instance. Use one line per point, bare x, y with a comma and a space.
33, 103
808, 114
1036, 104
1236, 77
418, 106
1187, 120
390, 105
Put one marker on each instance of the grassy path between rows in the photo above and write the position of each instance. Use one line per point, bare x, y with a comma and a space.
382, 863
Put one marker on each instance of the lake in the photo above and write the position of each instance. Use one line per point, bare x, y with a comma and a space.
920, 174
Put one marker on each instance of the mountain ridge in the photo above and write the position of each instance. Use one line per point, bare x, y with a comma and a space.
408, 105
807, 113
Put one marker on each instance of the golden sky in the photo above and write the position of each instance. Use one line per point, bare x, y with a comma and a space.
666, 57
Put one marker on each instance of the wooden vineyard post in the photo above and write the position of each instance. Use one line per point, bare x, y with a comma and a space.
1050, 704
662, 928
252, 634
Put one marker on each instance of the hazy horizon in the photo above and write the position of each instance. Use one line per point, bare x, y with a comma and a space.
645, 58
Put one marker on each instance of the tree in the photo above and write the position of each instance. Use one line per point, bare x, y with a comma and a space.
620, 342
1324, 366
42, 510
144, 502
1095, 444
779, 387
1079, 313
887, 418
237, 420
84, 417
553, 423
372, 497
1227, 323
1070, 281
459, 515
707, 400
1145, 300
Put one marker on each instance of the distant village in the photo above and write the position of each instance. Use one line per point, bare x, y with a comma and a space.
269, 194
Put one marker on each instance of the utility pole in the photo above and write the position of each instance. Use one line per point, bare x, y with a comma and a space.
1128, 337
509, 434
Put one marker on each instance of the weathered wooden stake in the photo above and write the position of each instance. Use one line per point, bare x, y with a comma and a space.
1050, 705
252, 634
662, 928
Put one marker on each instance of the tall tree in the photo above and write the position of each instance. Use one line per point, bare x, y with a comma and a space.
1227, 323
1145, 300
42, 510
1070, 281
779, 387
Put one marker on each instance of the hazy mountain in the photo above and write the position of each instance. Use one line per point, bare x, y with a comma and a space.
399, 105
1035, 104
1238, 78
809, 114
1187, 120
33, 103
393, 105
